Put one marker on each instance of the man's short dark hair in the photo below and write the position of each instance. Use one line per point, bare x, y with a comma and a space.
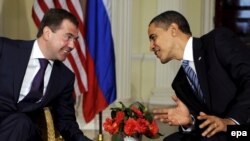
53, 19
165, 19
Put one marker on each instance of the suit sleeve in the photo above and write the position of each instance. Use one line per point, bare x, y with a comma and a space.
64, 114
235, 58
1, 46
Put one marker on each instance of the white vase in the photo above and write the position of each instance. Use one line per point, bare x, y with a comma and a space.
129, 138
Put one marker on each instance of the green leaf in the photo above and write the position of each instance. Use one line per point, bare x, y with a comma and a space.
113, 114
123, 106
149, 117
115, 137
128, 112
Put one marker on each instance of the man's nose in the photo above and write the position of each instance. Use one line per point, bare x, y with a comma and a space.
72, 44
152, 46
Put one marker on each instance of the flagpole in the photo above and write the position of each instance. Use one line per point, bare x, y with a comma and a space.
100, 136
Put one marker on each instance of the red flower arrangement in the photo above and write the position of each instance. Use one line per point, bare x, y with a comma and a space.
131, 121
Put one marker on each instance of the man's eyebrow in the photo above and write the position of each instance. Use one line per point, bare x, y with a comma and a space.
70, 34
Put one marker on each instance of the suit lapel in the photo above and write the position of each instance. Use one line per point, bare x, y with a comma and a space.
184, 91
201, 70
53, 82
22, 59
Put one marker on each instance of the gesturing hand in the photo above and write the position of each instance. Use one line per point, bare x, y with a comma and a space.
178, 115
213, 124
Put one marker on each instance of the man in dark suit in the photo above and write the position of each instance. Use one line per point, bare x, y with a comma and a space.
214, 90
19, 66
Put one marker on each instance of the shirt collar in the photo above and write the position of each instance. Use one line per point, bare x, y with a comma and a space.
37, 53
188, 51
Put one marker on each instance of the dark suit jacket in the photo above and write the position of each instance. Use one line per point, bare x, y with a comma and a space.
14, 57
222, 64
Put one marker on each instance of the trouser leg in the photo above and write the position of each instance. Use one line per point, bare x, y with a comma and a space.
18, 127
178, 136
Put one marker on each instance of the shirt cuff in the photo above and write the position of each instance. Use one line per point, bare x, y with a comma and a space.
235, 121
191, 127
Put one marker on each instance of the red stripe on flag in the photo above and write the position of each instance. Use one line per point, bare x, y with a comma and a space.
81, 55
35, 17
93, 101
74, 12
43, 5
77, 73
57, 4
81, 28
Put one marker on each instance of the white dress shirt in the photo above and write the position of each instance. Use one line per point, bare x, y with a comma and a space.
188, 53
32, 69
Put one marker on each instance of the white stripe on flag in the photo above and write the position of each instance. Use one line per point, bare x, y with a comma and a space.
49, 3
76, 88
38, 10
64, 4
78, 8
80, 68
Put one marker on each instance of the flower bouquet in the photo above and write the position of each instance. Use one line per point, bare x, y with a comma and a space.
131, 121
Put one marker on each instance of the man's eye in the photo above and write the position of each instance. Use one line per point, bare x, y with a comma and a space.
68, 37
153, 38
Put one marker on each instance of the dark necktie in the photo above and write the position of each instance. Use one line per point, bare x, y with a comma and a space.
193, 79
36, 90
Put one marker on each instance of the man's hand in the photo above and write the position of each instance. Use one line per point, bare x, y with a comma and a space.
178, 115
213, 124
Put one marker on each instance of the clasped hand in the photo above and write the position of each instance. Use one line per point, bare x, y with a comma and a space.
180, 116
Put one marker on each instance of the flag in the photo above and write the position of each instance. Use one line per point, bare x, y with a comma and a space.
101, 67
93, 60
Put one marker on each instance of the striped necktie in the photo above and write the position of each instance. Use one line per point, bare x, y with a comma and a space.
193, 79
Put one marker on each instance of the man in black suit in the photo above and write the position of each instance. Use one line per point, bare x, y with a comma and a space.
19, 63
217, 93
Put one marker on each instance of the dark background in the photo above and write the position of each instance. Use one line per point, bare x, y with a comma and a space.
234, 14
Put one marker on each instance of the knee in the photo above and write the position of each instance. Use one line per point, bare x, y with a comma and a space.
167, 139
18, 120
174, 137
18, 126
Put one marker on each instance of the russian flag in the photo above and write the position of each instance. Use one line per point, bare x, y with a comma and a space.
100, 59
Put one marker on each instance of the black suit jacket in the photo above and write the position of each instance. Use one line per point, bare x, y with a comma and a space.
14, 57
222, 64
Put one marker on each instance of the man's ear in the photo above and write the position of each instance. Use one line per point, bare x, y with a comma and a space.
174, 29
46, 32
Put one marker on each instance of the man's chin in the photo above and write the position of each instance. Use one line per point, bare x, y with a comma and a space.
61, 59
164, 61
